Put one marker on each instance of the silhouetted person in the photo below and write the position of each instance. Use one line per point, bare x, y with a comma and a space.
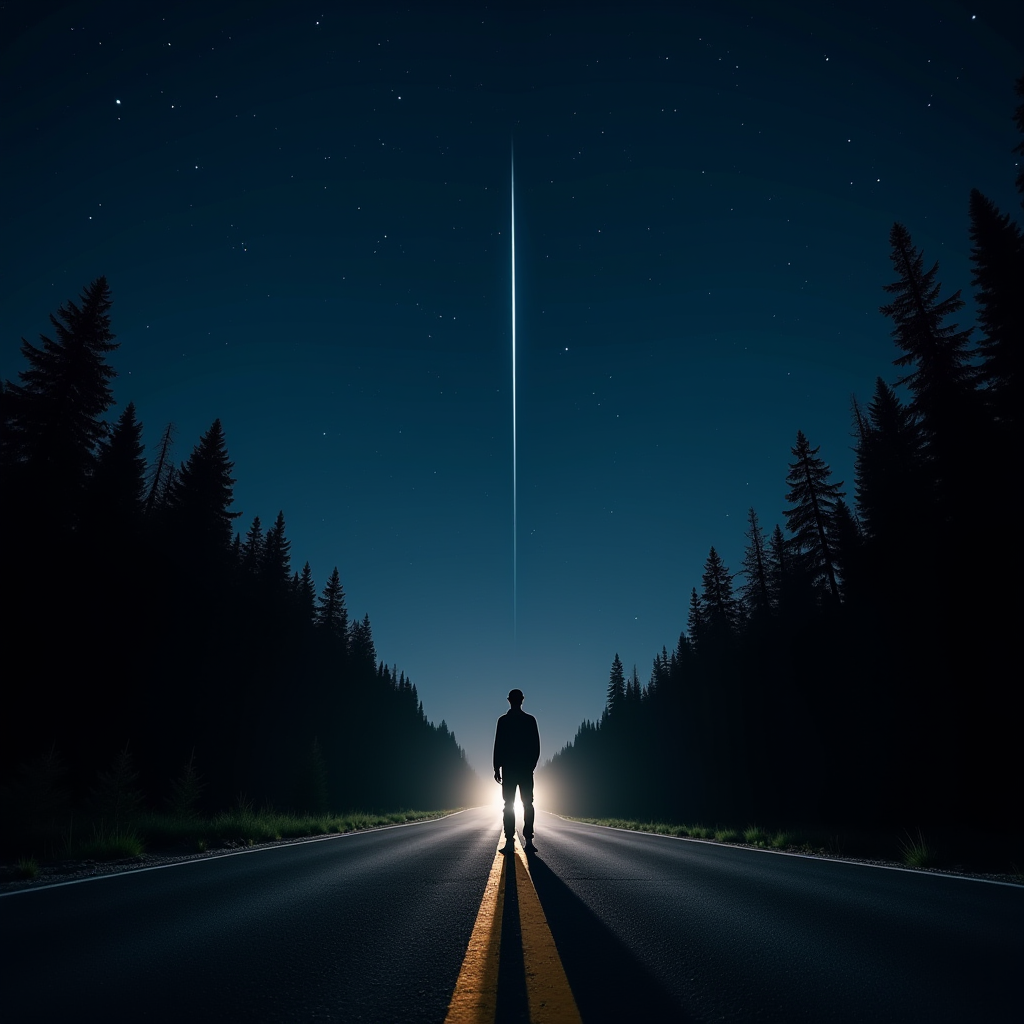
516, 753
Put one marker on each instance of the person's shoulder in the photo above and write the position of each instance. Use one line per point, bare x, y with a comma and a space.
529, 716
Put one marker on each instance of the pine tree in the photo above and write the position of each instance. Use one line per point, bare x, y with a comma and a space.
53, 417
847, 547
162, 473
781, 580
891, 483
253, 548
117, 797
814, 500
186, 791
277, 557
304, 590
998, 258
756, 592
721, 612
332, 616
616, 689
942, 376
202, 495
118, 484
634, 692
695, 621
360, 645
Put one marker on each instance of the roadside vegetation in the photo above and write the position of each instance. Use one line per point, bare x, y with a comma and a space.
44, 823
911, 849
165, 833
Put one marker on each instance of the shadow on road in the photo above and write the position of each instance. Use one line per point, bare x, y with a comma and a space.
608, 981
513, 1005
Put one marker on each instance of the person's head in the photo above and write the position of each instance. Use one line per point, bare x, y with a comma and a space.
516, 698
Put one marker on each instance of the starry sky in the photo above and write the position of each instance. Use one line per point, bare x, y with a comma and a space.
303, 214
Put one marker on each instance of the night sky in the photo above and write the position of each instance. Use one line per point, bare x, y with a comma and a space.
303, 215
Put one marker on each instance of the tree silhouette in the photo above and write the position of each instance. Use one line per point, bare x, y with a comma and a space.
756, 591
719, 606
847, 548
332, 615
942, 375
276, 568
616, 689
891, 484
162, 473
253, 548
695, 620
360, 646
53, 417
118, 484
202, 496
304, 590
813, 498
998, 258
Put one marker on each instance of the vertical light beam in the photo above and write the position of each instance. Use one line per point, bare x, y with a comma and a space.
515, 534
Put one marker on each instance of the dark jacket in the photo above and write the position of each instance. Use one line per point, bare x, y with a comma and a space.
516, 742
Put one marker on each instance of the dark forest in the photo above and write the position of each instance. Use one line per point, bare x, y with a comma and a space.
863, 664
139, 619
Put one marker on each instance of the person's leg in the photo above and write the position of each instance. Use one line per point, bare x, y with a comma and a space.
508, 793
526, 792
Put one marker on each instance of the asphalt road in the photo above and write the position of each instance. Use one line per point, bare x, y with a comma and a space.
374, 927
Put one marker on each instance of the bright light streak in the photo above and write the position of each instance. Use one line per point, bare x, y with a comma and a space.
515, 534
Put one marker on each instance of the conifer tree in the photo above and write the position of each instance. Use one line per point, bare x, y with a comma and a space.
53, 417
304, 590
756, 592
814, 500
276, 566
695, 621
202, 495
719, 606
847, 547
634, 692
117, 796
780, 570
162, 473
118, 484
941, 375
998, 258
891, 483
360, 645
332, 615
616, 688
186, 790
253, 548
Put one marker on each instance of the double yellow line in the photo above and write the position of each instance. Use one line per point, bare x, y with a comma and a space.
475, 1000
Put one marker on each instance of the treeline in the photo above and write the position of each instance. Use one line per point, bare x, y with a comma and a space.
137, 616
863, 665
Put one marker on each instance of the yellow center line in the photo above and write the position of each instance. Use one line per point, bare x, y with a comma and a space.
547, 988
475, 1000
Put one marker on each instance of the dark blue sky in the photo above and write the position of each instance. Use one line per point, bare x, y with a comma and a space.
303, 214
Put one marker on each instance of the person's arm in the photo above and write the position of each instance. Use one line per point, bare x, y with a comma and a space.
497, 756
535, 745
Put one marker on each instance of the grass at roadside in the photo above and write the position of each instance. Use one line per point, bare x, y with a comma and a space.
956, 852
246, 827
242, 826
753, 835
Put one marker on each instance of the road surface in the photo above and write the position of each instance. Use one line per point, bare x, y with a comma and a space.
377, 926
